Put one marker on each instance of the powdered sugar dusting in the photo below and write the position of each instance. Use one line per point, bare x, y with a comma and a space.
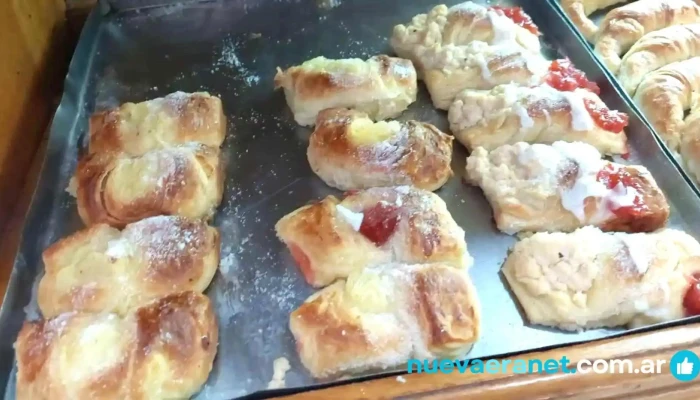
228, 58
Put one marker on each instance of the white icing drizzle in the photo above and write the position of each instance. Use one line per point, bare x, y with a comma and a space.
586, 184
484, 65
351, 217
503, 28
637, 250
580, 117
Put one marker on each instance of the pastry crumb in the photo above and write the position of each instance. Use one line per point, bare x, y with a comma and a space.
279, 369
401, 379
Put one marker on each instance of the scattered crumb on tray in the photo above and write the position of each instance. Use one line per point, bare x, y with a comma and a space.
72, 188
279, 369
328, 4
401, 379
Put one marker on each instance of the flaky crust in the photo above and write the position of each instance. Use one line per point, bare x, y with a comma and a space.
591, 279
624, 26
100, 269
419, 154
579, 10
333, 249
458, 25
509, 114
479, 66
382, 86
163, 350
556, 188
383, 316
657, 49
118, 189
665, 94
690, 142
174, 119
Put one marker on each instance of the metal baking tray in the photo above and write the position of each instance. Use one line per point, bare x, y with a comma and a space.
231, 48
598, 17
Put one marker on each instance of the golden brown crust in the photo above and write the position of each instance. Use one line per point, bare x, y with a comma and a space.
380, 317
579, 10
327, 247
382, 86
177, 118
665, 94
164, 349
657, 49
100, 269
118, 189
624, 26
418, 154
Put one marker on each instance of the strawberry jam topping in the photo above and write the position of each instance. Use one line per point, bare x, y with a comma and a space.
302, 261
691, 299
610, 120
517, 15
613, 177
564, 77
379, 222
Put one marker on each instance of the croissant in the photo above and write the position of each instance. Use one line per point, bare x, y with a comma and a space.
382, 86
510, 113
460, 25
349, 151
163, 350
331, 239
565, 186
118, 189
592, 279
174, 119
579, 10
624, 26
381, 317
453, 69
665, 94
657, 49
100, 269
690, 141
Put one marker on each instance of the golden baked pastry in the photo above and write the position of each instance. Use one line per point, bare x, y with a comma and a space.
117, 189
690, 141
564, 186
657, 49
592, 279
665, 94
459, 25
579, 10
347, 150
332, 238
381, 317
477, 65
163, 350
509, 114
174, 119
100, 269
382, 86
624, 26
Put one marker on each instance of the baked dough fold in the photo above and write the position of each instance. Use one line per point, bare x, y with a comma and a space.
349, 151
381, 86
564, 186
332, 238
591, 279
118, 189
100, 269
510, 113
177, 118
163, 350
382, 316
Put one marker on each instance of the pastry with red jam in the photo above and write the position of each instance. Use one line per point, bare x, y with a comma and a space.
564, 107
592, 279
565, 186
333, 238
